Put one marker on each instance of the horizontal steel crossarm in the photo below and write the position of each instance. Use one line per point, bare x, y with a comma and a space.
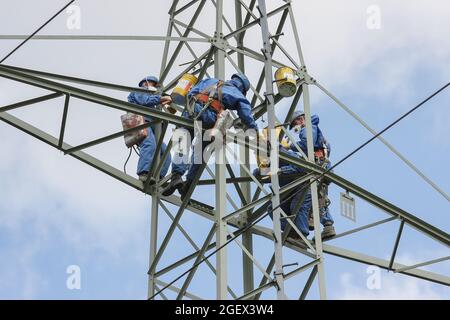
87, 82
101, 37
268, 234
273, 283
378, 202
177, 290
84, 157
186, 259
268, 197
384, 141
422, 264
359, 257
93, 97
410, 219
108, 138
367, 226
30, 101
384, 264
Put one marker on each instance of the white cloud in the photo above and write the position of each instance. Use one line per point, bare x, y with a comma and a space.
88, 207
393, 287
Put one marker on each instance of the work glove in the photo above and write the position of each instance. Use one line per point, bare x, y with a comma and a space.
286, 143
166, 100
238, 124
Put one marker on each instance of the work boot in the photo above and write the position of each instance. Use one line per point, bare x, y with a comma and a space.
295, 239
184, 189
175, 183
328, 232
310, 222
143, 177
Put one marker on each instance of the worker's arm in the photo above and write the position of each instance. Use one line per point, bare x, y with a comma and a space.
244, 111
148, 100
286, 168
301, 142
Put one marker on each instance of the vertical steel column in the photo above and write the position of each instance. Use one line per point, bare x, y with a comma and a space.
153, 244
279, 276
314, 195
221, 187
155, 199
168, 34
244, 156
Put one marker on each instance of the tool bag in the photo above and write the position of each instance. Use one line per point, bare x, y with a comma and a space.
131, 120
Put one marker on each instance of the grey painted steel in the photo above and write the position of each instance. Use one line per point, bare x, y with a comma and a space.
397, 242
107, 138
387, 144
102, 37
248, 212
82, 81
314, 195
411, 220
247, 237
363, 258
30, 102
279, 273
422, 264
180, 45
92, 97
80, 155
371, 225
196, 262
153, 244
308, 283
366, 259
221, 187
175, 289
63, 121
192, 243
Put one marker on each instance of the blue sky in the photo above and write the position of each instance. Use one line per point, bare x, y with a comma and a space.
59, 212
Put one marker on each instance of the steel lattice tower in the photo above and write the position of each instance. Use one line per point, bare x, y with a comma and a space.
229, 50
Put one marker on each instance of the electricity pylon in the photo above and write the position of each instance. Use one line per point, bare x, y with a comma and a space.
227, 52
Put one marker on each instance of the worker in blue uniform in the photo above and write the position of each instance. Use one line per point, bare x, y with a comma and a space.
147, 147
210, 97
303, 218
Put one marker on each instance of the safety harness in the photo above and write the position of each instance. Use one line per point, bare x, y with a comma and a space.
207, 98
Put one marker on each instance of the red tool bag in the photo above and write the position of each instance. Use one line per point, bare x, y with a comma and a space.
131, 120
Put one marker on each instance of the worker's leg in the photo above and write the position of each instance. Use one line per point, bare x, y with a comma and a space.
147, 150
198, 159
208, 117
181, 160
285, 206
166, 165
325, 217
195, 165
301, 221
